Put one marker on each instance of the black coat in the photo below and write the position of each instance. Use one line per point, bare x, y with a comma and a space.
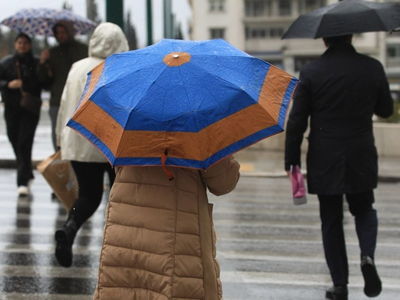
8, 72
340, 92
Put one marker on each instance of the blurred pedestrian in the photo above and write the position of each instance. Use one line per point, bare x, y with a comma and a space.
17, 75
55, 64
340, 92
159, 238
87, 161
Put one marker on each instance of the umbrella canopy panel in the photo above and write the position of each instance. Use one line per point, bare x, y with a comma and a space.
200, 101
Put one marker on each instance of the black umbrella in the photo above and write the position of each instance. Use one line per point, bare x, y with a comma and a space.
345, 17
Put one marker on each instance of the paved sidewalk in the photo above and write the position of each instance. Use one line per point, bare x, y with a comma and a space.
254, 162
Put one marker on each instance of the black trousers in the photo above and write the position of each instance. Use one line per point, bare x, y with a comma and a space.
21, 127
366, 222
90, 178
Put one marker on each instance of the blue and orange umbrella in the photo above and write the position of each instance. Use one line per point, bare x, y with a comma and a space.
181, 103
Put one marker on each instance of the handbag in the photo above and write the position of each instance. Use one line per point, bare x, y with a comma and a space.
298, 187
61, 177
29, 102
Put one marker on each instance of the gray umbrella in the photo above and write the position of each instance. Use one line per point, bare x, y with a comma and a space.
345, 17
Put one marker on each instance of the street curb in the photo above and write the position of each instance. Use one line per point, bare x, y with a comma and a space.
11, 164
381, 178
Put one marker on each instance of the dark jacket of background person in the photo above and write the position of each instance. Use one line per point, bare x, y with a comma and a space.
8, 71
340, 92
61, 59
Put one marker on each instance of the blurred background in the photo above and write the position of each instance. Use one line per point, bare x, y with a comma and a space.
268, 248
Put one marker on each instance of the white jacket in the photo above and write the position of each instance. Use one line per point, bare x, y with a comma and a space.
107, 39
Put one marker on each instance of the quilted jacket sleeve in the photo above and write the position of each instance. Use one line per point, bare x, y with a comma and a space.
222, 177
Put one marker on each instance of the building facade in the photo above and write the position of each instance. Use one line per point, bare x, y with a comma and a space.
256, 27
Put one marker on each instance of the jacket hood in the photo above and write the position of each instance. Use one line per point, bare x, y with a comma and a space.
69, 27
107, 39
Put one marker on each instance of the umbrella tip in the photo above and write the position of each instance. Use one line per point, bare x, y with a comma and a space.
176, 56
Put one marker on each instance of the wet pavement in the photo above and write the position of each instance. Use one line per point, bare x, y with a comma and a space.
268, 248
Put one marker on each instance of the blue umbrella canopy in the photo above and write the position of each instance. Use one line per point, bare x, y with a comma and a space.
181, 103
40, 21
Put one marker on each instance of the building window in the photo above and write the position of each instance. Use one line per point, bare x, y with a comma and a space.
217, 5
301, 61
306, 6
393, 56
217, 33
276, 32
258, 8
255, 33
285, 7
263, 32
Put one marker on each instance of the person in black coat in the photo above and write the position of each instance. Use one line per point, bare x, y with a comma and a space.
339, 93
21, 124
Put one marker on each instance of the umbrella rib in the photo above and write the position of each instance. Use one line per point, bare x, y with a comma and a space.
380, 20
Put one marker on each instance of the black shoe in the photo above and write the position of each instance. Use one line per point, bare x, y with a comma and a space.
373, 284
337, 293
65, 239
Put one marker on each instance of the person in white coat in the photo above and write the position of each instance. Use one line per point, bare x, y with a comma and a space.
87, 161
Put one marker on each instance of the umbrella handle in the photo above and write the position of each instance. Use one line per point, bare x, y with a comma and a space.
166, 171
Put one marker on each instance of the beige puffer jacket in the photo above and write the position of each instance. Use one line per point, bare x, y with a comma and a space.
159, 240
